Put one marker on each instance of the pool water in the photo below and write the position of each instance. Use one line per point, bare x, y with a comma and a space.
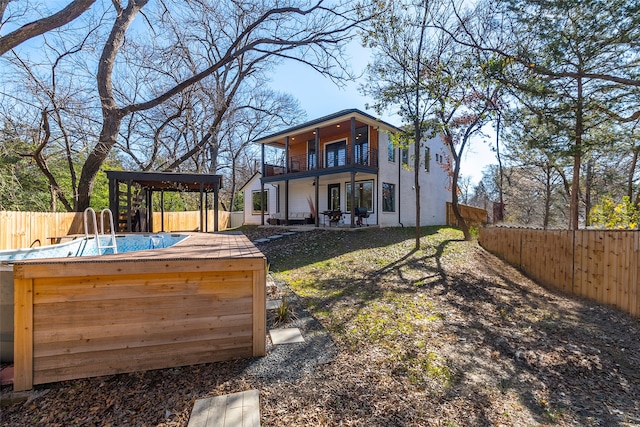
88, 247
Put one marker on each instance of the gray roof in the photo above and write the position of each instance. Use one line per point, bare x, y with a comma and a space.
328, 118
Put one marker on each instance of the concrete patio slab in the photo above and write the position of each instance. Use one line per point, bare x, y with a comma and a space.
285, 336
231, 410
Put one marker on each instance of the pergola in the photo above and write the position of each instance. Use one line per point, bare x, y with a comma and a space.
163, 181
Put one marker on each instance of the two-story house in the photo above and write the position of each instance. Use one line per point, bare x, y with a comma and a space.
343, 170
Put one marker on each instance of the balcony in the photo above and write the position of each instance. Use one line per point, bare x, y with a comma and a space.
334, 159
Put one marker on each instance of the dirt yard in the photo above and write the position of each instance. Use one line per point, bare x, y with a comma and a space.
447, 335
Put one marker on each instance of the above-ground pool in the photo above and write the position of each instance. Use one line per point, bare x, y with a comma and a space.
199, 301
79, 247
88, 247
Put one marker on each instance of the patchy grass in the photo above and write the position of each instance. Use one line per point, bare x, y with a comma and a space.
447, 335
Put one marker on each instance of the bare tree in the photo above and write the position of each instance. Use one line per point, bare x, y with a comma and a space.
264, 31
38, 26
158, 60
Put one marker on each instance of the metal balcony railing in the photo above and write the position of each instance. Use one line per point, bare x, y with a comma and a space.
326, 160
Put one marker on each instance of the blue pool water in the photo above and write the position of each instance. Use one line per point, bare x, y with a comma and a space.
83, 247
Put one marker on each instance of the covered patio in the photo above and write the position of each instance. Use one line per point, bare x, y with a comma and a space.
131, 217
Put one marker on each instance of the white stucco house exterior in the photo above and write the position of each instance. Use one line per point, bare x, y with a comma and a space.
318, 163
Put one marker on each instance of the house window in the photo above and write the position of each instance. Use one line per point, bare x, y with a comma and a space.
392, 151
361, 145
336, 154
258, 202
363, 195
388, 197
404, 154
334, 197
312, 158
427, 158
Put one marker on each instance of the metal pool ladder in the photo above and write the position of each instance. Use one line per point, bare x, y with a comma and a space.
112, 238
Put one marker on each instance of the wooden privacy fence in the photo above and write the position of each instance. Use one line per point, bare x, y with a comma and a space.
601, 265
473, 215
27, 229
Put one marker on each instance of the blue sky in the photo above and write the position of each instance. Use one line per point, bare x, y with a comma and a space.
319, 96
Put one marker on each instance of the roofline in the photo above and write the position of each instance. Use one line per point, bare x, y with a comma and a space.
249, 180
331, 117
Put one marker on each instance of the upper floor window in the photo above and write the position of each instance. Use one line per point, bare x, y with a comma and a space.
336, 153
312, 157
361, 145
392, 151
404, 154
427, 159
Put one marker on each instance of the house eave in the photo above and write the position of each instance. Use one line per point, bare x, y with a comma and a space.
329, 120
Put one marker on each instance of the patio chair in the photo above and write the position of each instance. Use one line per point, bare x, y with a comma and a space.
362, 213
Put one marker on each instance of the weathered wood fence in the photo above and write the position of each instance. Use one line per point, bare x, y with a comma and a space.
473, 216
26, 229
602, 265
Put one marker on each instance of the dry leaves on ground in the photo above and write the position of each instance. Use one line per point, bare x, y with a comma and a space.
445, 336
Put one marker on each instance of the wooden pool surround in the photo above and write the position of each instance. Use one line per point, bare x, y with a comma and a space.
200, 301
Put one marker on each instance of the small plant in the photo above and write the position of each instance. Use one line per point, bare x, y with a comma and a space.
284, 313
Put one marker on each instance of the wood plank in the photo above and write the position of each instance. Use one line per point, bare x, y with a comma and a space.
70, 349
142, 263
124, 356
123, 363
259, 312
82, 332
113, 312
226, 285
23, 335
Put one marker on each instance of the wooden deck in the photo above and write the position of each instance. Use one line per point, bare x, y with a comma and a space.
199, 301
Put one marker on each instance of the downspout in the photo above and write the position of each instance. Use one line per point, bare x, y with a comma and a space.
317, 177
351, 162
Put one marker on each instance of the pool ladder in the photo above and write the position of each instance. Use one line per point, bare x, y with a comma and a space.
112, 238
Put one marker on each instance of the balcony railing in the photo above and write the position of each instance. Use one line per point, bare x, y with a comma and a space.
326, 160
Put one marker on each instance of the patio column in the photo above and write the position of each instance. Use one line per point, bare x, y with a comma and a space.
216, 189
128, 206
149, 206
161, 211
316, 181
262, 189
286, 155
317, 143
286, 202
202, 207
352, 199
352, 143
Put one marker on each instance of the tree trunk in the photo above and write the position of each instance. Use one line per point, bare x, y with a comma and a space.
500, 170
577, 157
96, 158
454, 187
547, 198
111, 114
632, 172
587, 194
416, 179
